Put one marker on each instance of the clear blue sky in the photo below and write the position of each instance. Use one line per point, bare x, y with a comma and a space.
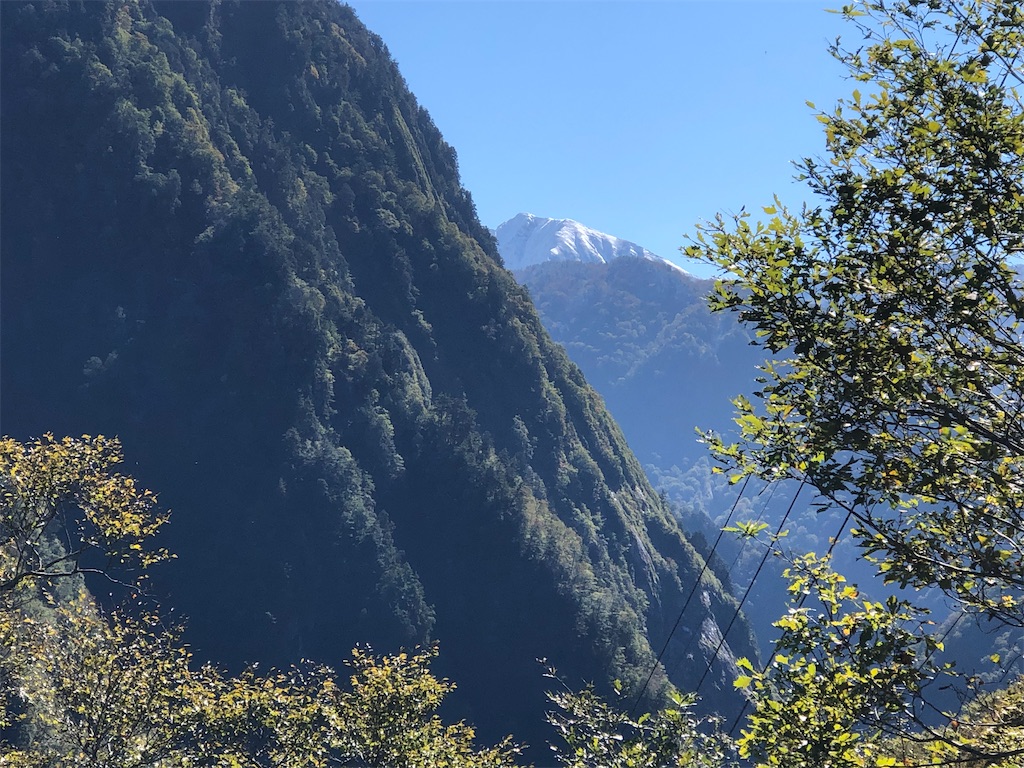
636, 118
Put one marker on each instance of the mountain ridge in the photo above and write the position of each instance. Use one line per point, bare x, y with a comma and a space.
665, 365
526, 239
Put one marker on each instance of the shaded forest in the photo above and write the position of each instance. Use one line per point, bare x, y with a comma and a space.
233, 239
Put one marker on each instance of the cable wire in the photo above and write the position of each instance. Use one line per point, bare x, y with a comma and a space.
799, 605
686, 603
750, 586
732, 568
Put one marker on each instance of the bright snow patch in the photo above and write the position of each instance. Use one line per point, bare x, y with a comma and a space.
527, 239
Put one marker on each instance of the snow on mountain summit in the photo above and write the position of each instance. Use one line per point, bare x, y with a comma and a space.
527, 239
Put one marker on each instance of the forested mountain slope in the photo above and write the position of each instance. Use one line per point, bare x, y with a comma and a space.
666, 366
232, 238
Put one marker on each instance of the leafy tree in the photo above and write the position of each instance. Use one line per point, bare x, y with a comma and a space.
894, 310
997, 719
842, 671
390, 717
598, 734
121, 691
80, 688
63, 512
902, 399
62, 503
110, 694
118, 692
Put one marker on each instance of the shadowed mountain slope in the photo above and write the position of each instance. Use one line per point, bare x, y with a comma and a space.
232, 237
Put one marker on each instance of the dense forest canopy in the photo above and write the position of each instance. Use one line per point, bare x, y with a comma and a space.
233, 239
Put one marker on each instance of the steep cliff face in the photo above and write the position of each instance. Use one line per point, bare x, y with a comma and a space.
231, 237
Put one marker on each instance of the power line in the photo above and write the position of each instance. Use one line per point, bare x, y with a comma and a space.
732, 568
686, 603
750, 586
1009, 667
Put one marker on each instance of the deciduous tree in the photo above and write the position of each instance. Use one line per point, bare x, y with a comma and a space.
599, 734
121, 690
893, 308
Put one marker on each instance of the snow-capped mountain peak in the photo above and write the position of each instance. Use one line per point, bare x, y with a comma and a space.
527, 239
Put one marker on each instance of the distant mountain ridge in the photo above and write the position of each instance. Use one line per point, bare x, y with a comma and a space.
526, 239
642, 334
641, 331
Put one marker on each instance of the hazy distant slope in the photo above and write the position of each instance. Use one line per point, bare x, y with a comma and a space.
666, 366
232, 238
641, 331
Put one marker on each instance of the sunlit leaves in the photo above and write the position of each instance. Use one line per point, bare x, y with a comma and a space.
994, 723
84, 689
894, 308
597, 734
117, 693
390, 717
841, 675
66, 491
124, 693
